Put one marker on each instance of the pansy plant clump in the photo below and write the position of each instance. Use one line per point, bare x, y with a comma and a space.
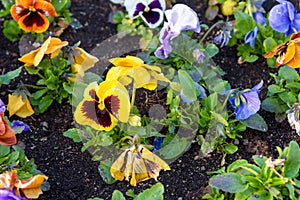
57, 66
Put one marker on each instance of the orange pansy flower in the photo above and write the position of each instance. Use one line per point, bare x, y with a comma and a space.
51, 46
17, 105
7, 135
29, 188
31, 14
288, 53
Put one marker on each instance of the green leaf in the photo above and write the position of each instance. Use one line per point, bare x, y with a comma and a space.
219, 118
90, 77
272, 104
12, 30
38, 94
288, 97
104, 170
6, 78
117, 195
4, 150
256, 122
288, 73
211, 50
251, 58
44, 103
118, 17
230, 148
292, 163
273, 89
261, 195
189, 88
269, 43
59, 5
229, 182
243, 24
154, 193
74, 134
175, 148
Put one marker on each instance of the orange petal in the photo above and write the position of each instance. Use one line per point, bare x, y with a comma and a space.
275, 50
8, 179
295, 61
34, 22
295, 35
7, 135
286, 56
84, 59
54, 46
33, 182
18, 11
25, 3
28, 58
45, 8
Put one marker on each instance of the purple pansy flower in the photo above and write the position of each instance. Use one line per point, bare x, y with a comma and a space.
19, 126
259, 18
157, 142
250, 37
226, 32
245, 103
180, 18
9, 195
2, 106
151, 11
284, 18
199, 55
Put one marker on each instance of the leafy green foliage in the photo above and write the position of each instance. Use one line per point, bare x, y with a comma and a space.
12, 30
283, 93
6, 78
267, 178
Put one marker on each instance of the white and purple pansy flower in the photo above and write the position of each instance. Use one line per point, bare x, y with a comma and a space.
151, 11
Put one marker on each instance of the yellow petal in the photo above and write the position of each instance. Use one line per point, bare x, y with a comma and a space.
40, 54
15, 103
32, 193
85, 59
129, 61
28, 58
140, 75
116, 99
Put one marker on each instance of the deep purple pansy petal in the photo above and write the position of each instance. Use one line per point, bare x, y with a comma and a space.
140, 7
16, 124
2, 106
153, 18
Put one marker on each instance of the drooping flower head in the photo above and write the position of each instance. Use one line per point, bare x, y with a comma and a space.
288, 53
103, 105
51, 46
284, 18
251, 36
17, 105
245, 103
31, 14
180, 18
226, 32
151, 11
133, 68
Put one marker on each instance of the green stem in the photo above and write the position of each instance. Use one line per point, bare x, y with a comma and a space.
209, 30
33, 86
40, 75
133, 97
226, 100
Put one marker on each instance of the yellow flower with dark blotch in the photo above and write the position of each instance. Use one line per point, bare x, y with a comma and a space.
17, 105
103, 105
51, 46
82, 62
7, 134
29, 188
138, 163
130, 67
31, 14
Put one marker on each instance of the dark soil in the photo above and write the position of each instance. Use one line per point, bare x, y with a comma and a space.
72, 174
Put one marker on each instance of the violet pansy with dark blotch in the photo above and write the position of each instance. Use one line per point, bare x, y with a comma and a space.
151, 11
20, 126
2, 106
284, 18
246, 102
180, 18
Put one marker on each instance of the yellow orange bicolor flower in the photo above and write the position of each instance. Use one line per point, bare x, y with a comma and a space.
31, 14
288, 53
51, 46
138, 163
17, 105
103, 105
130, 67
7, 135
29, 188
82, 62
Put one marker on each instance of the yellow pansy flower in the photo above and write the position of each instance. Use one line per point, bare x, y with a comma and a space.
17, 105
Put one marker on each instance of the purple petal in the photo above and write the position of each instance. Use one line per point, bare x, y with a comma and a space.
9, 195
257, 87
16, 124
291, 10
259, 18
279, 18
153, 18
156, 4
140, 7
250, 108
2, 106
160, 53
